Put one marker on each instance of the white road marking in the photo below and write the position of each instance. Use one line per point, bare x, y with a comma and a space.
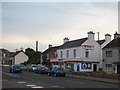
32, 85
37, 87
21, 82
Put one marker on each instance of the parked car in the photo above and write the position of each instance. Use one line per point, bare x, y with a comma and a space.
41, 70
23, 67
56, 72
15, 69
32, 67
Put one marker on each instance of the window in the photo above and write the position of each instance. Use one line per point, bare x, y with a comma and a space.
86, 54
61, 54
108, 53
109, 67
74, 53
67, 53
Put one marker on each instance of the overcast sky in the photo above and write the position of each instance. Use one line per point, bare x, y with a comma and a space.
49, 22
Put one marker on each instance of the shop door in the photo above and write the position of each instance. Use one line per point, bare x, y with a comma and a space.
94, 67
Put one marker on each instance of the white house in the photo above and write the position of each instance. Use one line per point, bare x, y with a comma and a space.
19, 57
82, 54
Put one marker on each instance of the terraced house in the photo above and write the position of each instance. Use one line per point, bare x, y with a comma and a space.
111, 55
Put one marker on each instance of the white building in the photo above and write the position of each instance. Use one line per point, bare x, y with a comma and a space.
83, 54
19, 57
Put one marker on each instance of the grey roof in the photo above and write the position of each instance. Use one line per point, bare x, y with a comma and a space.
73, 43
101, 41
51, 49
114, 43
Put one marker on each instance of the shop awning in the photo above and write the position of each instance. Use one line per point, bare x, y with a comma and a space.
54, 61
72, 61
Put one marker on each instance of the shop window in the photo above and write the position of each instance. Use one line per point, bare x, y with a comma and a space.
67, 53
108, 53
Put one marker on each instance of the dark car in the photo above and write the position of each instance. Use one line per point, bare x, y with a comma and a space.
56, 72
15, 69
41, 70
23, 67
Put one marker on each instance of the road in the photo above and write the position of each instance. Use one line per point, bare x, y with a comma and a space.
28, 79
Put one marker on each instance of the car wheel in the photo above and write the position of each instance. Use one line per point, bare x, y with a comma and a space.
63, 75
55, 75
9, 71
12, 71
48, 74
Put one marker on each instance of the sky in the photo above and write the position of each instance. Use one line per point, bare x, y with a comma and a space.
24, 23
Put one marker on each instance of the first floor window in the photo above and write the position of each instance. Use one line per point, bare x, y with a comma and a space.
86, 54
67, 53
74, 52
61, 54
108, 53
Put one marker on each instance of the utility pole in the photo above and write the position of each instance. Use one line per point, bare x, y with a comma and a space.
36, 46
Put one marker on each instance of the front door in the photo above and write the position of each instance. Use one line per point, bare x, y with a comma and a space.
118, 69
94, 67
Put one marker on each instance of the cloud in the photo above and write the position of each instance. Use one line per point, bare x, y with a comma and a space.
49, 23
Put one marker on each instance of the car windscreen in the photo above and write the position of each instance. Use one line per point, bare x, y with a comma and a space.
18, 67
34, 66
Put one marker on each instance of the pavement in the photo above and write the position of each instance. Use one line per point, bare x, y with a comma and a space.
95, 79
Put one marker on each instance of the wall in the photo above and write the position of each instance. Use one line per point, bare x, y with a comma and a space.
20, 58
110, 60
94, 53
71, 54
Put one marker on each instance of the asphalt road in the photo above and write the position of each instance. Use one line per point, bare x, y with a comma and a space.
28, 79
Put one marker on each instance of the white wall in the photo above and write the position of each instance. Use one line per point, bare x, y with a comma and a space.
71, 53
94, 53
20, 58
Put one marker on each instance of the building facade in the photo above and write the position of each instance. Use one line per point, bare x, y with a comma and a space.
111, 55
8, 58
82, 54
103, 43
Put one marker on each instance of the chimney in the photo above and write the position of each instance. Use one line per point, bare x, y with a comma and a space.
49, 46
65, 39
107, 37
36, 46
116, 35
91, 35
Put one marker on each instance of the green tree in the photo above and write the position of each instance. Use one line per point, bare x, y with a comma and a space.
34, 57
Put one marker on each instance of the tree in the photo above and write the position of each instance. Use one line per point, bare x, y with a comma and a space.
34, 57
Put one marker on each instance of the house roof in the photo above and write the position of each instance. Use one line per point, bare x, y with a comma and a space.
12, 54
51, 49
114, 43
73, 43
101, 41
4, 50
